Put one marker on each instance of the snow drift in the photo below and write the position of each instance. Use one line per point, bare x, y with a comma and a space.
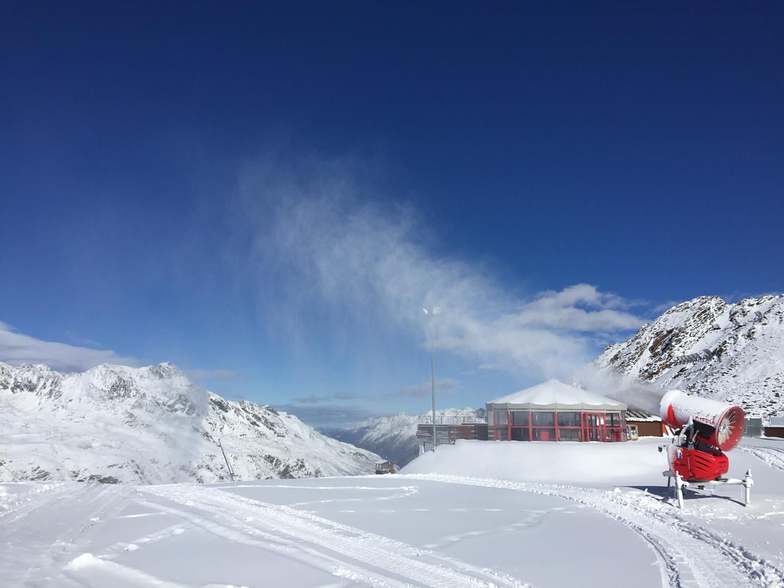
576, 463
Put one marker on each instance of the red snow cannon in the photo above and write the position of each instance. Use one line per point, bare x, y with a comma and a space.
705, 430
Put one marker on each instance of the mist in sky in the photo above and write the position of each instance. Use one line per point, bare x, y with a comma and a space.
340, 255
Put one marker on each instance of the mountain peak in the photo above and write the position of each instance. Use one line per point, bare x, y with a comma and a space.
713, 348
165, 369
152, 425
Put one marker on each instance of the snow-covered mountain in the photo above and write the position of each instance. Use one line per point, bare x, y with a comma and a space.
152, 425
394, 436
712, 348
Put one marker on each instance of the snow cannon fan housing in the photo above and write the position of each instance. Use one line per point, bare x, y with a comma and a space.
720, 424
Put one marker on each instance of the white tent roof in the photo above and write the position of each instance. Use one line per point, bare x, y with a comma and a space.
554, 394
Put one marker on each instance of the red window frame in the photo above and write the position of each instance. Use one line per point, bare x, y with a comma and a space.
592, 422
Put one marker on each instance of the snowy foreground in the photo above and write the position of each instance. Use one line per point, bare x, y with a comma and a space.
476, 514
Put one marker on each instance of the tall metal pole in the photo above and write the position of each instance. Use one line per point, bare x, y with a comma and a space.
430, 313
226, 459
433, 390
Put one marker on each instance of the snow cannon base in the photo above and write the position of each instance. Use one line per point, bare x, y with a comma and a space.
747, 482
694, 465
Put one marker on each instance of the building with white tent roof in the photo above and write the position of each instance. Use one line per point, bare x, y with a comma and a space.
554, 411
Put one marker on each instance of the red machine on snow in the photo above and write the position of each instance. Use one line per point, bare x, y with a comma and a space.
705, 429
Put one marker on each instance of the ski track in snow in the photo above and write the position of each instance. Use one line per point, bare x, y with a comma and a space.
690, 555
25, 502
37, 533
341, 550
388, 492
773, 457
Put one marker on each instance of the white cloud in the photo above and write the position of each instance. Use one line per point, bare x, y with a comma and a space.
329, 244
578, 308
18, 348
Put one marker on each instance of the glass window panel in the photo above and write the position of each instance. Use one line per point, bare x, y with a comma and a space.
568, 419
543, 419
520, 434
520, 417
569, 434
544, 434
500, 417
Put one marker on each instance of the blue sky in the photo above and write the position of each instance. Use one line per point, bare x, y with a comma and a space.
267, 197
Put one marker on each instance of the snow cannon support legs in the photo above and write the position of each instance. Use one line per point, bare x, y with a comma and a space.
679, 489
748, 482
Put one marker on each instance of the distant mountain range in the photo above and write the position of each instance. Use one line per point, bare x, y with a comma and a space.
394, 437
152, 425
712, 348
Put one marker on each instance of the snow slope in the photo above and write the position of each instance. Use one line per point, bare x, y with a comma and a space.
714, 541
151, 425
448, 525
712, 348
394, 436
378, 531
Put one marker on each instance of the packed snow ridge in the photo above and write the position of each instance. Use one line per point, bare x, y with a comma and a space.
152, 425
709, 347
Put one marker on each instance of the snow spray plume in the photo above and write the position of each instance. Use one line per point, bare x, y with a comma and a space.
623, 388
330, 251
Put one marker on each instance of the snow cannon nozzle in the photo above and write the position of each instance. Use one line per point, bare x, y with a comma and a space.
720, 423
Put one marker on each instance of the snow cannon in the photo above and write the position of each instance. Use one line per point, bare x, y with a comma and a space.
719, 423
705, 429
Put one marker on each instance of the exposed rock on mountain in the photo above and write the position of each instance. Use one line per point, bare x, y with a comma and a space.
152, 425
712, 348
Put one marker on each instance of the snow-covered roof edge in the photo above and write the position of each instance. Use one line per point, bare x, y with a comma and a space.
555, 394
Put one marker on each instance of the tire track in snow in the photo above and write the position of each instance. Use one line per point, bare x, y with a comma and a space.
691, 555
342, 550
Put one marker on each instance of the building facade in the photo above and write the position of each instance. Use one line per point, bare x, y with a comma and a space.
640, 423
774, 427
554, 411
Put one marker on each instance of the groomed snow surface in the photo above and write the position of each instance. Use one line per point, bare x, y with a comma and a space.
474, 514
